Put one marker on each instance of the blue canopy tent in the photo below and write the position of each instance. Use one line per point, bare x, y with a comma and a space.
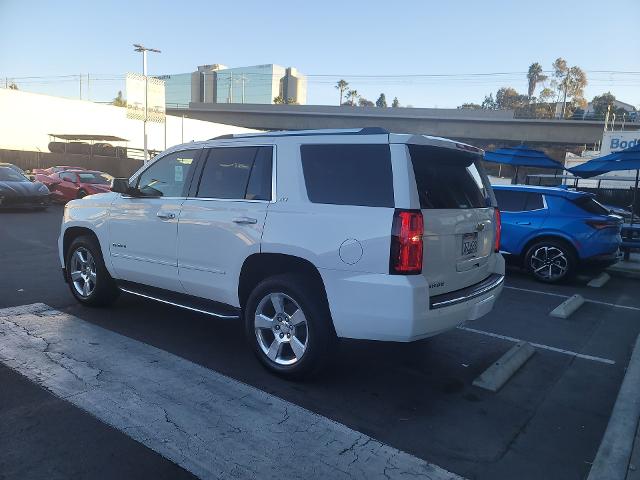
627, 159
522, 156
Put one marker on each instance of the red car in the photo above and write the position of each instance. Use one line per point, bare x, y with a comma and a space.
71, 184
52, 170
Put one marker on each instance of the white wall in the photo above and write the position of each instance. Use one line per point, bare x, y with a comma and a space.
27, 119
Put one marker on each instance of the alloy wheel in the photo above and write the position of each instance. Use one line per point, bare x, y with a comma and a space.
83, 272
549, 263
281, 328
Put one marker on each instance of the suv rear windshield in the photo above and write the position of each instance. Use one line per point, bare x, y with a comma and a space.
348, 174
447, 179
591, 205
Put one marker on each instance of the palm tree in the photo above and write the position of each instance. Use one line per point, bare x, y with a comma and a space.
352, 97
534, 76
341, 86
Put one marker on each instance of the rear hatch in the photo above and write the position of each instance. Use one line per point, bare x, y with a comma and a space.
456, 204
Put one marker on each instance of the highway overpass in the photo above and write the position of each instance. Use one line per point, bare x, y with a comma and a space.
480, 127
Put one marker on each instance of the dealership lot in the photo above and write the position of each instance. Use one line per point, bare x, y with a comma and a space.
547, 421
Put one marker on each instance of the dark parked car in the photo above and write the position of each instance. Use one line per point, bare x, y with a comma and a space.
554, 231
17, 191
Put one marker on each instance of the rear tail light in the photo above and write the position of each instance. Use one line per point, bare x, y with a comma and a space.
406, 243
498, 229
601, 224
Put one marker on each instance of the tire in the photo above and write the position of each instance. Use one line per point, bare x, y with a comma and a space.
81, 194
85, 266
551, 261
291, 350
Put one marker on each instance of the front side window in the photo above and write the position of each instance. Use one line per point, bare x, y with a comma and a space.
238, 173
348, 174
168, 176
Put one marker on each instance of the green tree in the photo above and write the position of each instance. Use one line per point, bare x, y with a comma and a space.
119, 101
546, 105
570, 83
606, 102
601, 103
363, 102
395, 103
352, 97
381, 101
534, 77
489, 102
281, 101
508, 99
470, 106
341, 86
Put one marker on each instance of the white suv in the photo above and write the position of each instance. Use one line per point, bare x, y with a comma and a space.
306, 236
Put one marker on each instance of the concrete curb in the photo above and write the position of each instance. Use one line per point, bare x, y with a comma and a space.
614, 453
600, 280
566, 308
494, 377
624, 272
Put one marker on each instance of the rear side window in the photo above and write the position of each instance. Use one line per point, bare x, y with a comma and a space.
591, 205
241, 173
447, 179
534, 202
348, 174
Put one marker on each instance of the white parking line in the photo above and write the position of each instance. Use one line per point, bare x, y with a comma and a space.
209, 424
539, 345
597, 302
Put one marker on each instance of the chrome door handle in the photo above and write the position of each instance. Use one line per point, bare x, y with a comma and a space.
166, 215
245, 220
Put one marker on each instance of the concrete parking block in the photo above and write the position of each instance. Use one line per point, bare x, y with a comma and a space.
614, 453
494, 377
566, 308
600, 280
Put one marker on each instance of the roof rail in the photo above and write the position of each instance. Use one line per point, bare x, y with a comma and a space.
305, 133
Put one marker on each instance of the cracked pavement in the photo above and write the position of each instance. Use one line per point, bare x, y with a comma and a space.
214, 428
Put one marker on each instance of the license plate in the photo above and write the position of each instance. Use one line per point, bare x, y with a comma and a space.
469, 244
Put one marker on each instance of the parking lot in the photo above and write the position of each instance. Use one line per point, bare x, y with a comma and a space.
546, 422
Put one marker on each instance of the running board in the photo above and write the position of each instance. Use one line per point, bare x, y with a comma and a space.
188, 302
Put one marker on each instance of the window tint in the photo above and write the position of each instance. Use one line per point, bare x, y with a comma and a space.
94, 177
9, 175
534, 202
68, 177
447, 178
237, 173
168, 176
259, 187
510, 200
591, 205
348, 174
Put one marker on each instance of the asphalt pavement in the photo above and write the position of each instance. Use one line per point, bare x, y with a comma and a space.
546, 422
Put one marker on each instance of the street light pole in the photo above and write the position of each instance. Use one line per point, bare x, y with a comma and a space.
144, 50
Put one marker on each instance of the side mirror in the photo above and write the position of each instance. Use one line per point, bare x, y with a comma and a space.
120, 185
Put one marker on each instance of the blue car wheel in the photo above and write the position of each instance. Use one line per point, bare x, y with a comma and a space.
550, 261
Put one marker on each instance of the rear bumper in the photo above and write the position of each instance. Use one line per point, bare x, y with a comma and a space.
399, 308
603, 260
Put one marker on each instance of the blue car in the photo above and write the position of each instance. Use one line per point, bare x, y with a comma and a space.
554, 231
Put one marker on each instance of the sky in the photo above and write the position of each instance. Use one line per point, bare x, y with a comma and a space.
376, 46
